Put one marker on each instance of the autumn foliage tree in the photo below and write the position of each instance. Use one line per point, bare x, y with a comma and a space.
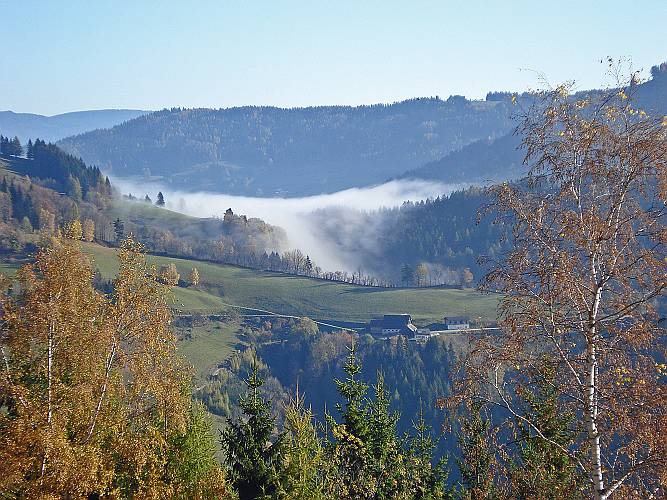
583, 287
169, 274
94, 399
74, 231
194, 277
88, 230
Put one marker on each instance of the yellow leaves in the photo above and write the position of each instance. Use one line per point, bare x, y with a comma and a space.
514, 99
664, 121
74, 230
622, 95
115, 375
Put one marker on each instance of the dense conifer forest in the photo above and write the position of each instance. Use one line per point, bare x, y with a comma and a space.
268, 151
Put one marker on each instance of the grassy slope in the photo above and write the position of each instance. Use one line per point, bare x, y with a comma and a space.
302, 296
209, 346
150, 215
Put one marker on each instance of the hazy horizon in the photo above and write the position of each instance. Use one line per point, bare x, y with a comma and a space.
129, 55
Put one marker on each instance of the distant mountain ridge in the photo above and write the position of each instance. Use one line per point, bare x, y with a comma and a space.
301, 151
53, 128
269, 151
487, 161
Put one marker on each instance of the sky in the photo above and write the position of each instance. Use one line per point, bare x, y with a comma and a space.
77, 55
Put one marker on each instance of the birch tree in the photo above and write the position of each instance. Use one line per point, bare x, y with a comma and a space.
584, 286
94, 400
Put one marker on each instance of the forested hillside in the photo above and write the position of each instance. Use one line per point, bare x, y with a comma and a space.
268, 151
483, 161
45, 191
424, 243
498, 159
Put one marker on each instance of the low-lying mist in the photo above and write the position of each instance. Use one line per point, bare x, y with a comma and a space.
337, 230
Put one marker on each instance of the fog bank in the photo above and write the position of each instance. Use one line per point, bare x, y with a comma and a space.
303, 219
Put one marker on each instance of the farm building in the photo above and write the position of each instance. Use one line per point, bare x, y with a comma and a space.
456, 323
393, 324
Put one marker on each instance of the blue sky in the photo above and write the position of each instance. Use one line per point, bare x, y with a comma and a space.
74, 55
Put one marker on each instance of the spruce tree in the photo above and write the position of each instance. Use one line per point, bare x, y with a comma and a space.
254, 459
477, 462
543, 469
431, 480
353, 391
305, 476
160, 199
15, 147
119, 230
4, 145
387, 459
351, 477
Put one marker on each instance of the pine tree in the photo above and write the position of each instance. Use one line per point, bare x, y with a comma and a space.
430, 480
544, 470
255, 460
119, 230
477, 462
160, 199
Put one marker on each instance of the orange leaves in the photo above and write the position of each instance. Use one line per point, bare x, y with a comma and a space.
582, 281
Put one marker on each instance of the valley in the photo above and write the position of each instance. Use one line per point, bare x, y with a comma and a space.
224, 286
422, 298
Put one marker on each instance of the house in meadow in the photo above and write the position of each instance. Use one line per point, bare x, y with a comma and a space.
456, 323
393, 324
